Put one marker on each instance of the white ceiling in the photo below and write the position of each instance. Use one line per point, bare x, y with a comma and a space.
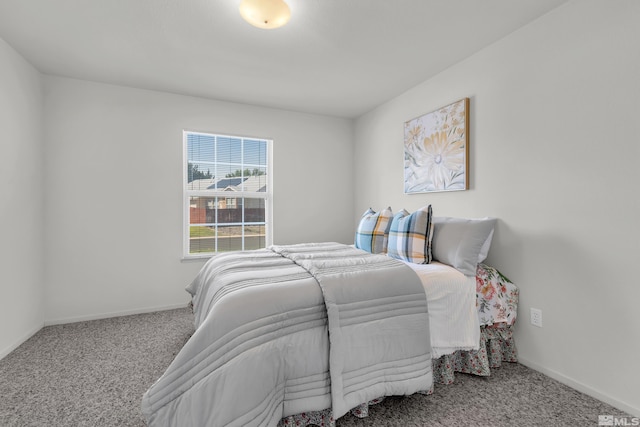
335, 57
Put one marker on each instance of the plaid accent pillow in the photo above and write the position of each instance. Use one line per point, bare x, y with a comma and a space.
373, 230
410, 236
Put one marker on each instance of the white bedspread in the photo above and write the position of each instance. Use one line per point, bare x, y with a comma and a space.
453, 316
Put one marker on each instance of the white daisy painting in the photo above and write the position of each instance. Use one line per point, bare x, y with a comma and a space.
436, 150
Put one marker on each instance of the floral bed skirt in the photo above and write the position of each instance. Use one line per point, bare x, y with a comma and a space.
496, 346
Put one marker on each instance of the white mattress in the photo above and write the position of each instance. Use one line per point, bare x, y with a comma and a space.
453, 317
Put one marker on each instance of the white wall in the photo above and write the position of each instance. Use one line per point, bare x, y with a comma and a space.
554, 155
21, 201
114, 190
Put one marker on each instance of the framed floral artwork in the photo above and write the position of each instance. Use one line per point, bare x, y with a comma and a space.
436, 150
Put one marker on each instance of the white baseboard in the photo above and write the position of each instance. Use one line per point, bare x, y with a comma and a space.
583, 388
20, 341
63, 320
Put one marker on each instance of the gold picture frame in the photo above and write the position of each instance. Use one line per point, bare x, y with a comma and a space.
436, 150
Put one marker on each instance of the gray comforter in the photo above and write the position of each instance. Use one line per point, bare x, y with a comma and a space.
261, 350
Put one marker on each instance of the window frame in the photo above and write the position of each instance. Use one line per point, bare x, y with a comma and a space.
267, 196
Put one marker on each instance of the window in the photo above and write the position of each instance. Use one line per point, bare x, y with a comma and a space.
227, 193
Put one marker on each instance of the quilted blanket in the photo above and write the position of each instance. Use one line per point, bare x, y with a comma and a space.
296, 328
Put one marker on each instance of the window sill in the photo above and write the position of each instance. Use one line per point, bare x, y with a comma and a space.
195, 258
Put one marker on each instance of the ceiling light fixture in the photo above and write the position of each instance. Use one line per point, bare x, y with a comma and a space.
266, 14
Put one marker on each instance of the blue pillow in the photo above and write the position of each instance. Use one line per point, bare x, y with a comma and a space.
373, 230
410, 236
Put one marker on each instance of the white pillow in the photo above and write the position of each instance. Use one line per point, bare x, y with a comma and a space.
484, 251
462, 243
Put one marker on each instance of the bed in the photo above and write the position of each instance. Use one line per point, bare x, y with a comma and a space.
302, 334
495, 304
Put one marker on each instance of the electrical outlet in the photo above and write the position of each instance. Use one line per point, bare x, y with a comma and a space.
536, 317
